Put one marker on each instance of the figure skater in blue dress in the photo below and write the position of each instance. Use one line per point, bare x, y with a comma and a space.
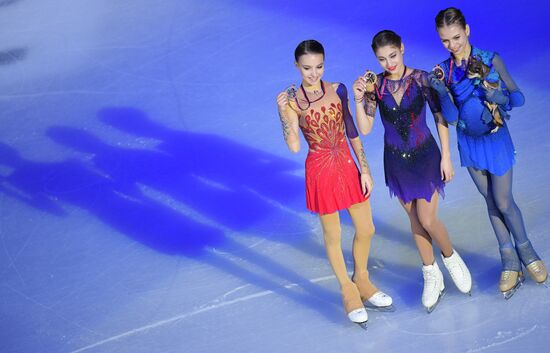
483, 91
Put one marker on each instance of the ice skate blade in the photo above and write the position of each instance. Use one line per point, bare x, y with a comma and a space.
363, 325
432, 308
468, 293
545, 283
382, 309
509, 293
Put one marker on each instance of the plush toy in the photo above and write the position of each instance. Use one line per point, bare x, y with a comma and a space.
477, 69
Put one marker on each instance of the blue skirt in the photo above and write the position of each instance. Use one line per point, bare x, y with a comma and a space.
492, 152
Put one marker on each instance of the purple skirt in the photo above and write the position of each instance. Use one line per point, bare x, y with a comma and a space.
414, 173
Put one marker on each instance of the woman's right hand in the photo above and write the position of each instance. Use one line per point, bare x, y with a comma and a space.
361, 86
366, 184
282, 101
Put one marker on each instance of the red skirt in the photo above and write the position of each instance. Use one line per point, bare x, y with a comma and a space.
333, 181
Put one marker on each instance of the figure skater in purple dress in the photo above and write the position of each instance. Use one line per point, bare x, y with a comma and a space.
415, 170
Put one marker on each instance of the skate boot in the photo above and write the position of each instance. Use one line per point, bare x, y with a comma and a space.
434, 287
538, 272
353, 305
511, 277
380, 301
509, 282
532, 263
373, 298
459, 272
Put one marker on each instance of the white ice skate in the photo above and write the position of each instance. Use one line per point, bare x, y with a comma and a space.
459, 272
359, 317
380, 301
373, 298
434, 287
353, 305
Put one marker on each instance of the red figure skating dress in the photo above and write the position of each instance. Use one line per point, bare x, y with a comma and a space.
332, 178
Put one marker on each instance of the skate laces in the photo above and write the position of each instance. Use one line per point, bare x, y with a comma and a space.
536, 267
506, 275
429, 278
454, 268
453, 265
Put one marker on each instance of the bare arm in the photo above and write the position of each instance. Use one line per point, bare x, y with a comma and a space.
357, 146
289, 122
366, 177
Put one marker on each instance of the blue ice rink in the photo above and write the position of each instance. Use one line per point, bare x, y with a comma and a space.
148, 202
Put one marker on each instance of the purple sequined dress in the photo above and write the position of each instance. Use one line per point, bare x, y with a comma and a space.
411, 155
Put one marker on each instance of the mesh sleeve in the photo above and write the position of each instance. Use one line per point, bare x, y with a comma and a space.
370, 104
498, 64
516, 97
351, 130
429, 93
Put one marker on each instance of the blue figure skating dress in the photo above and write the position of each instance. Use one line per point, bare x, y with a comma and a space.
479, 145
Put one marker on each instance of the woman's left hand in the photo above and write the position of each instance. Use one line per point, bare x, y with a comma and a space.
366, 184
447, 170
495, 95
437, 85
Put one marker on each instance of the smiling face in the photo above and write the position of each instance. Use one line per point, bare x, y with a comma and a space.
455, 39
311, 67
390, 58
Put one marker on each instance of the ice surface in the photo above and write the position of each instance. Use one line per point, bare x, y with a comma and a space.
149, 204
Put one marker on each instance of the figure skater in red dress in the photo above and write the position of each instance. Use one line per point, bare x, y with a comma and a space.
333, 181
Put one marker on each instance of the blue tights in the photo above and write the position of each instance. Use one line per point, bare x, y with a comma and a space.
505, 217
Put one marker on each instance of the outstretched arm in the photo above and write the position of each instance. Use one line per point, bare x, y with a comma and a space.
289, 122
